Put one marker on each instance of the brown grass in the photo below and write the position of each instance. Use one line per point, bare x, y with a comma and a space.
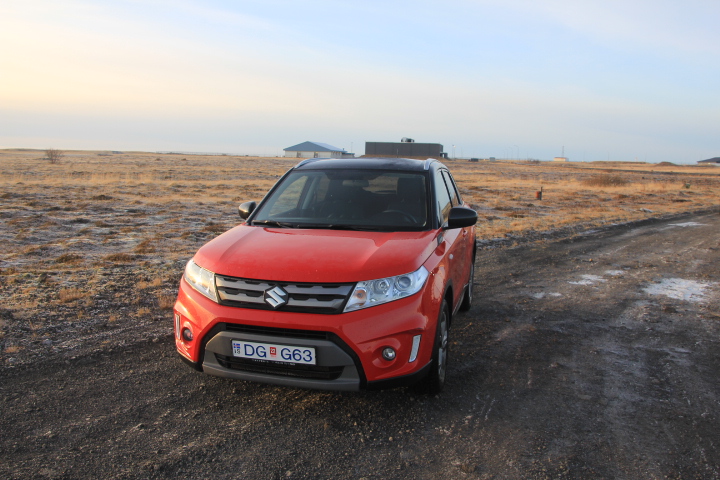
164, 206
68, 258
146, 246
605, 181
156, 282
166, 302
214, 227
120, 257
585, 194
67, 295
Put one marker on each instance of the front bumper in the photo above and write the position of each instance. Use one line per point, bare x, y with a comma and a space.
348, 345
334, 366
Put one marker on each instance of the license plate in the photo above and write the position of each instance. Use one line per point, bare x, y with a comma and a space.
273, 352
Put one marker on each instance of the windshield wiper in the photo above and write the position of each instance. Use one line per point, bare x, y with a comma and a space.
337, 226
273, 223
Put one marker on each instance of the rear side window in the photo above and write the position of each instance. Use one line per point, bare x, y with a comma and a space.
444, 204
452, 188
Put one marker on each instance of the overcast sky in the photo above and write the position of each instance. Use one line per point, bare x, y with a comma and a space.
607, 79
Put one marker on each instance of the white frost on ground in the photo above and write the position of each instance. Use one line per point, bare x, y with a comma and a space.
588, 280
679, 289
687, 224
615, 273
541, 295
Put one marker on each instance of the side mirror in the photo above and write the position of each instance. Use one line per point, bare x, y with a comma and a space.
246, 209
461, 217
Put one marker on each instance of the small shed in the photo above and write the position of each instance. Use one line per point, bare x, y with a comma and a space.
560, 159
314, 150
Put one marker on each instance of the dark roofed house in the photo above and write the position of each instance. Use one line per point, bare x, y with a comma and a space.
407, 147
314, 150
715, 161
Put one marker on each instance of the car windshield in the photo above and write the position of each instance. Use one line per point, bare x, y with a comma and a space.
347, 199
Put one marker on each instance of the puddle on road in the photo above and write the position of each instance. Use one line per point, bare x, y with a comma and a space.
679, 289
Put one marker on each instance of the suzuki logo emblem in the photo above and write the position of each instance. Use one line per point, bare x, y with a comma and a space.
276, 297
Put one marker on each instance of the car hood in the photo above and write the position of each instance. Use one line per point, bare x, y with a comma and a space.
318, 256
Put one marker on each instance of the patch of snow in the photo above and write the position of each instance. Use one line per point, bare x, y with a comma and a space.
538, 296
588, 280
679, 289
687, 224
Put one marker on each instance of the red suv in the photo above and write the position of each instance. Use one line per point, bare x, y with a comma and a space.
347, 275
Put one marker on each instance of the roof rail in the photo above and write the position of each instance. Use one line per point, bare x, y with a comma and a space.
306, 161
428, 162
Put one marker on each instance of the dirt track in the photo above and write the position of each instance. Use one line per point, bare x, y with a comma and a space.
594, 357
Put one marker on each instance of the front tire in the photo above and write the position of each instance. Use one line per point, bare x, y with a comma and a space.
435, 380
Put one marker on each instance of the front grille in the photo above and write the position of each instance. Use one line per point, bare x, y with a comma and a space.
279, 368
277, 332
302, 297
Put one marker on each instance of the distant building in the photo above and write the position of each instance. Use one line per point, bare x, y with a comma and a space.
405, 148
560, 159
315, 150
713, 161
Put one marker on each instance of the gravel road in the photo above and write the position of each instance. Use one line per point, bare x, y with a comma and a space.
592, 357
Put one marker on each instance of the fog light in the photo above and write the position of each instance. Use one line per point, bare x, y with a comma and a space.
187, 334
388, 353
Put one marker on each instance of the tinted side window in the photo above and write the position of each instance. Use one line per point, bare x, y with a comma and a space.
452, 188
443, 198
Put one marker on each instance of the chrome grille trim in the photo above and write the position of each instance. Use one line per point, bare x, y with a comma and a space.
303, 297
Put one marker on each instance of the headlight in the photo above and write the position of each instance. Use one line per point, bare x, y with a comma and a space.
383, 290
201, 280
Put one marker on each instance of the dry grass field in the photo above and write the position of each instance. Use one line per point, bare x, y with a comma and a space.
582, 195
96, 242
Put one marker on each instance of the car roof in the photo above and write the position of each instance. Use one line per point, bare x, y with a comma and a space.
367, 163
